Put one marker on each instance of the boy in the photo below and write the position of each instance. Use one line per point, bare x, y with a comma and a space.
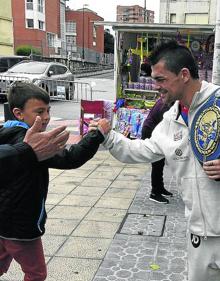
22, 198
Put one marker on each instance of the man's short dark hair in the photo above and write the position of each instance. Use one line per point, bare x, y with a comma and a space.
175, 57
20, 92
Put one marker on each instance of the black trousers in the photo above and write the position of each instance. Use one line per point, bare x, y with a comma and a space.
157, 176
157, 167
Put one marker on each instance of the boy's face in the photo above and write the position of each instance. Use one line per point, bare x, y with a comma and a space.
31, 110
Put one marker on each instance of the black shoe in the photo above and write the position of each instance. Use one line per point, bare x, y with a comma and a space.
166, 193
158, 198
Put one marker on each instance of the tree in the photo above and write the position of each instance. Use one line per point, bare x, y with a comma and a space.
108, 42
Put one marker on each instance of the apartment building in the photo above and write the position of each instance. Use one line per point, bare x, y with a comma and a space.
6, 28
188, 12
83, 38
134, 13
41, 24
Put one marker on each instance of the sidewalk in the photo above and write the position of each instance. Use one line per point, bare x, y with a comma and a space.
102, 227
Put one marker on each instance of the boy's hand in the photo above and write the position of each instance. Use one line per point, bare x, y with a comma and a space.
102, 124
212, 169
46, 144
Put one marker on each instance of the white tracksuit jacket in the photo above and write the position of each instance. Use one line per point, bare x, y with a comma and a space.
171, 139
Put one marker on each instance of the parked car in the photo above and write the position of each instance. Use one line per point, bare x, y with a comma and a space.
8, 61
54, 77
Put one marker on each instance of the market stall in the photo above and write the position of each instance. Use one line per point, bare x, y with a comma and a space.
135, 90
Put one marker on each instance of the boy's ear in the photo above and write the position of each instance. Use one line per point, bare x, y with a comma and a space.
18, 113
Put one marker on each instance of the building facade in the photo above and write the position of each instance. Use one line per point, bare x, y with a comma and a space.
134, 13
6, 28
83, 38
39, 23
188, 12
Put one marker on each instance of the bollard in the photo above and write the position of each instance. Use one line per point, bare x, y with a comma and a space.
7, 112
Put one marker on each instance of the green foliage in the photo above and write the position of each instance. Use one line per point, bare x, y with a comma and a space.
27, 50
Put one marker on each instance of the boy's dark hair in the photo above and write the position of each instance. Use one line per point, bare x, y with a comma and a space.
20, 92
175, 57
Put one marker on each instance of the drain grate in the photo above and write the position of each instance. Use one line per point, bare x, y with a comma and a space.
143, 224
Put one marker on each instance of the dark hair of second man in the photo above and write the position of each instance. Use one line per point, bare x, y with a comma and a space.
21, 92
175, 57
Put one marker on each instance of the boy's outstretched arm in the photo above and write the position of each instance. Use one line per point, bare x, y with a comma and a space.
78, 154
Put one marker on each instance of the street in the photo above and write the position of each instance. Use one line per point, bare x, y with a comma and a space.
103, 88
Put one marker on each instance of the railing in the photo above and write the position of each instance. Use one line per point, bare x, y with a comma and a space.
7, 81
57, 89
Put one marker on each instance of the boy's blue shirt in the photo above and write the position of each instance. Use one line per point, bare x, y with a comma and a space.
15, 123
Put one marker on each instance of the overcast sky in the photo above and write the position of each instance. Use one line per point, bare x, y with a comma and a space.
107, 8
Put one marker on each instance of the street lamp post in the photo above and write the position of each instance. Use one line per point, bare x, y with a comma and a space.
144, 10
83, 34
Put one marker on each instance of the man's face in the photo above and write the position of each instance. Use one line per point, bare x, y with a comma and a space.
34, 108
167, 83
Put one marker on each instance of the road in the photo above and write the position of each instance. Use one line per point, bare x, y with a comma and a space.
103, 88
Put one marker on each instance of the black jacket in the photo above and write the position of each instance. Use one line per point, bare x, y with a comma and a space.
23, 189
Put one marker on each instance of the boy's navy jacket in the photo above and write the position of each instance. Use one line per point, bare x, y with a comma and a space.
23, 190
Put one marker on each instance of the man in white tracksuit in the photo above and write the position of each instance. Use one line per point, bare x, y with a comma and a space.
176, 75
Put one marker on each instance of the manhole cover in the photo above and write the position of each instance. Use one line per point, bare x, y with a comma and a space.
142, 224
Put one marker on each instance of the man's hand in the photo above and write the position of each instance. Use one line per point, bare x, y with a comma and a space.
46, 144
102, 124
212, 169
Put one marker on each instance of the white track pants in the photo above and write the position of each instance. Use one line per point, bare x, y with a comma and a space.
203, 258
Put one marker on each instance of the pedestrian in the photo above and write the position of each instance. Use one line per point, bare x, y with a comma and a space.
154, 117
23, 195
176, 75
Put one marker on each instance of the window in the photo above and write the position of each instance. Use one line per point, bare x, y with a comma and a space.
71, 40
60, 69
70, 27
30, 23
196, 18
172, 18
40, 6
41, 25
50, 39
29, 4
94, 31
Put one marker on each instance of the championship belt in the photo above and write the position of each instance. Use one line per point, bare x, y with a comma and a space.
205, 130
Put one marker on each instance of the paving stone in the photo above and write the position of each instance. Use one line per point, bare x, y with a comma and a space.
77, 173
14, 273
61, 188
143, 225
54, 198
96, 229
97, 174
107, 167
68, 212
72, 269
89, 191
125, 184
120, 192
81, 247
89, 182
78, 200
61, 226
113, 202
65, 180
104, 214
52, 243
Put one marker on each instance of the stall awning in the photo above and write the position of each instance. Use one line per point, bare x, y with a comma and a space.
193, 29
